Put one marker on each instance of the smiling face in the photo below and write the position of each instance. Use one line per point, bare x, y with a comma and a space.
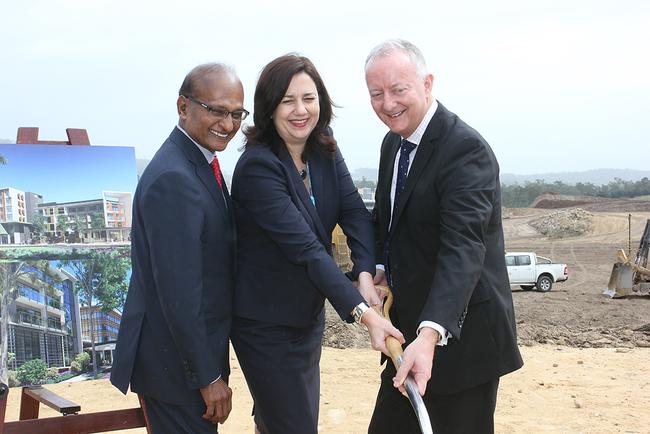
398, 96
217, 90
297, 114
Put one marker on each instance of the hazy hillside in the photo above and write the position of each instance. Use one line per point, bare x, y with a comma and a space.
595, 176
369, 174
6, 141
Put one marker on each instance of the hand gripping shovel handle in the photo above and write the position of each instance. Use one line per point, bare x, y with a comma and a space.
396, 352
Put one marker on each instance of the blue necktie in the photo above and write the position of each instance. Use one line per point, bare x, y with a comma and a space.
402, 172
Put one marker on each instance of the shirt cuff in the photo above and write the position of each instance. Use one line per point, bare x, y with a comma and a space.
444, 334
380, 267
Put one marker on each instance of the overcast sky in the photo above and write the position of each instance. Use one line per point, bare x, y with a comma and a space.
553, 85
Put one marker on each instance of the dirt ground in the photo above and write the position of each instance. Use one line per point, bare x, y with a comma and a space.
586, 359
559, 390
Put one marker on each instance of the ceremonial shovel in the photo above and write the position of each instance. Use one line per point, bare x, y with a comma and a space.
395, 349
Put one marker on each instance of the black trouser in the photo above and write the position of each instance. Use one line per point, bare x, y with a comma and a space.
166, 418
281, 366
467, 412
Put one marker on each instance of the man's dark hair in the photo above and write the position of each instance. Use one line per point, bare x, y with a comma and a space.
271, 88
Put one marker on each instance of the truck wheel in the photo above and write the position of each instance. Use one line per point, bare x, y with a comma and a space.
526, 287
544, 283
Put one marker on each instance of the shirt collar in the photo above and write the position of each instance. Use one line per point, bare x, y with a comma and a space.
209, 155
417, 135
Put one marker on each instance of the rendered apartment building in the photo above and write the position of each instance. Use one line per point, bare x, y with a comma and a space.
95, 220
44, 318
13, 216
107, 324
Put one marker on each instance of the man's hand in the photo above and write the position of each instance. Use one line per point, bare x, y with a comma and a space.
379, 329
380, 277
218, 400
367, 289
418, 360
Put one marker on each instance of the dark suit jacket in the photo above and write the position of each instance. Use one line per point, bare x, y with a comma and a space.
446, 252
173, 337
285, 268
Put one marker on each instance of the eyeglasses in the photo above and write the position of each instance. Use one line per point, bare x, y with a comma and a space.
220, 113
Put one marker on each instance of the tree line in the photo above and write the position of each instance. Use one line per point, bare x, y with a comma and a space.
522, 195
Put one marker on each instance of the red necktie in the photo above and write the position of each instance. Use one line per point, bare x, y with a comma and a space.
217, 170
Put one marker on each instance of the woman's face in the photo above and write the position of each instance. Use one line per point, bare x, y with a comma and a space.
297, 114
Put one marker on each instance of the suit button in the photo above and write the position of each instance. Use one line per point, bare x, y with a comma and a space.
461, 320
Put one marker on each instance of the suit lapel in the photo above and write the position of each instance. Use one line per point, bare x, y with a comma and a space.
385, 180
308, 209
316, 175
202, 169
421, 162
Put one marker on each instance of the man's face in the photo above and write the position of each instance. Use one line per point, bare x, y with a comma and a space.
398, 96
219, 91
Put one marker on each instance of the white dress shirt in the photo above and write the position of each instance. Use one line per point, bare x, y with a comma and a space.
209, 156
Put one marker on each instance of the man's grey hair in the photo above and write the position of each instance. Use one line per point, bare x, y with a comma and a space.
391, 45
200, 71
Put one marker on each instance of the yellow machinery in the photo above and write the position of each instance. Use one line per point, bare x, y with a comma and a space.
630, 276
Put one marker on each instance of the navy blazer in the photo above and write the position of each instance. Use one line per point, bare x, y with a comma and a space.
285, 267
173, 337
446, 252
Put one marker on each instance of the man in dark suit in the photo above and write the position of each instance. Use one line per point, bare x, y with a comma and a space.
440, 241
172, 346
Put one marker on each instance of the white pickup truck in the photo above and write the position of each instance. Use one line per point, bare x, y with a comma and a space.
528, 270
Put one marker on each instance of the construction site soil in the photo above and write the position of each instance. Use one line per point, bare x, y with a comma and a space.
574, 313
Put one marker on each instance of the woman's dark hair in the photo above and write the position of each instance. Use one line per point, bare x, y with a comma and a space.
271, 88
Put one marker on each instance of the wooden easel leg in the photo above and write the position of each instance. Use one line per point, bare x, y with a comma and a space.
28, 406
143, 406
4, 394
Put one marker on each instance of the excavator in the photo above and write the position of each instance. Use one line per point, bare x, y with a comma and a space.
630, 276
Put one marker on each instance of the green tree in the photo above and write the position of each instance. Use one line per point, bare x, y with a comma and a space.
39, 228
101, 285
80, 362
97, 221
32, 372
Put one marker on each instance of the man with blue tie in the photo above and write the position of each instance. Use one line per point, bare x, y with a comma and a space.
440, 244
172, 346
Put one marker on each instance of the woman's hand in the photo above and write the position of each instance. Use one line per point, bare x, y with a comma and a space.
379, 329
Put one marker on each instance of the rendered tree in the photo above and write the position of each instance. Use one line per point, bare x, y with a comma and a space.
97, 221
101, 285
39, 228
10, 273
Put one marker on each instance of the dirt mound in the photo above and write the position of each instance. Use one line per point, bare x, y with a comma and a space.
550, 200
562, 224
339, 334
623, 205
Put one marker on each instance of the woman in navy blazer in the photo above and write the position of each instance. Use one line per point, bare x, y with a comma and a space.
290, 189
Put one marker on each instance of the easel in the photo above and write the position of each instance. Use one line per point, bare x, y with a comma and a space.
70, 421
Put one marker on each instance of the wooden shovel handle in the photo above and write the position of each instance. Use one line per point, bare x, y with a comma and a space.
393, 345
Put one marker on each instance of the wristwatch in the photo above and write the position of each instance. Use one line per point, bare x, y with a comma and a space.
359, 310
